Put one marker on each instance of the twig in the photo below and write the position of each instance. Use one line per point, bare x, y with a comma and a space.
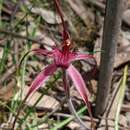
114, 9
86, 118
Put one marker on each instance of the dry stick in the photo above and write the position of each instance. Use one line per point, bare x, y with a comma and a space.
114, 9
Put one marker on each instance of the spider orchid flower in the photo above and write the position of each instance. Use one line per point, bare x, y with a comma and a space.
63, 57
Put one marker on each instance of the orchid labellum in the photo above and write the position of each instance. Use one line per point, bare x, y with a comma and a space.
63, 57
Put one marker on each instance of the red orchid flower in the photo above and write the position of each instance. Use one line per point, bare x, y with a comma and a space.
63, 58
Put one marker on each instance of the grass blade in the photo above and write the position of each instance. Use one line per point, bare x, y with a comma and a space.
121, 96
66, 121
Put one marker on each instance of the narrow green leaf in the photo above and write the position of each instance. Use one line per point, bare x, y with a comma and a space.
121, 97
66, 121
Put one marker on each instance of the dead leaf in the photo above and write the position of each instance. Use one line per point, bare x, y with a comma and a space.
123, 49
81, 11
126, 17
49, 16
40, 36
47, 102
7, 92
128, 118
76, 126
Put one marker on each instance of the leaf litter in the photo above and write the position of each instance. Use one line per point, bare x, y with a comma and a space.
86, 41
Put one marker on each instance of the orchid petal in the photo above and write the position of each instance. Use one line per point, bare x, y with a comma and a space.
41, 78
42, 52
90, 59
79, 56
73, 56
79, 84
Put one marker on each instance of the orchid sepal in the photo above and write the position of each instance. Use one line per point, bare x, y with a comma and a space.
41, 78
80, 85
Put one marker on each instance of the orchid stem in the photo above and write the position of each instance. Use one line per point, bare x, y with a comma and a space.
73, 111
70, 104
65, 84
